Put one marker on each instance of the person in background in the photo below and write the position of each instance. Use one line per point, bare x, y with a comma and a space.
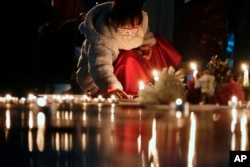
120, 50
59, 42
19, 51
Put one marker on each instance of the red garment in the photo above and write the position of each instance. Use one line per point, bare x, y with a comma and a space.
129, 68
223, 94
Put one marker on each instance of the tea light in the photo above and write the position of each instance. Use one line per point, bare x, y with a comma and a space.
8, 98
22, 100
99, 99
86, 98
245, 75
41, 101
112, 99
31, 98
179, 105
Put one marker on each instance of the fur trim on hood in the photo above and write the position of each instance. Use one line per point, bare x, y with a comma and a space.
96, 28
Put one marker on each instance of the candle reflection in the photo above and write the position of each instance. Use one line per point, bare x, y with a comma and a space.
139, 136
84, 116
57, 142
112, 112
98, 140
7, 122
99, 112
192, 136
152, 150
30, 137
30, 119
40, 131
233, 142
234, 119
30, 141
233, 125
139, 143
62, 141
244, 137
84, 142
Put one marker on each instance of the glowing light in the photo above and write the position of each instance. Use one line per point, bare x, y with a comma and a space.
41, 101
156, 75
7, 122
194, 68
152, 150
141, 85
245, 75
192, 136
244, 134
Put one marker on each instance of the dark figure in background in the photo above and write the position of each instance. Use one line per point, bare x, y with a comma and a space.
59, 49
20, 21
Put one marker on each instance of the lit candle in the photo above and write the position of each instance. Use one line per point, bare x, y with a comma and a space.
233, 102
156, 75
112, 99
194, 68
141, 85
245, 75
86, 98
99, 99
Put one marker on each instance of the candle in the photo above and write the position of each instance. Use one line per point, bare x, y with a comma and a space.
156, 75
245, 75
194, 68
233, 102
141, 85
99, 99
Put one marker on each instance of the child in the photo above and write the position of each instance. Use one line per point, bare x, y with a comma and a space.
119, 50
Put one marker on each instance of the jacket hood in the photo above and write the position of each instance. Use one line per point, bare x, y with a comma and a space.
97, 30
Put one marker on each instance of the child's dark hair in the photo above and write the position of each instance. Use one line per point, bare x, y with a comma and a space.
126, 11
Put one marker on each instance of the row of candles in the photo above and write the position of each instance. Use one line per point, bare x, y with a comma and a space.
57, 98
67, 98
45, 100
244, 67
31, 98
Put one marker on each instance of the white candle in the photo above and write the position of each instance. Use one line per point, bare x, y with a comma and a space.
141, 85
194, 68
233, 102
245, 75
156, 75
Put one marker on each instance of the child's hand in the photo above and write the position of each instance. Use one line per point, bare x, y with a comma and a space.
120, 94
145, 52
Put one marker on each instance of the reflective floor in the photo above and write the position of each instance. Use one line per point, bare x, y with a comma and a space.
120, 135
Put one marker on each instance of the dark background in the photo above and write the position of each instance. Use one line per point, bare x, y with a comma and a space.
38, 39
